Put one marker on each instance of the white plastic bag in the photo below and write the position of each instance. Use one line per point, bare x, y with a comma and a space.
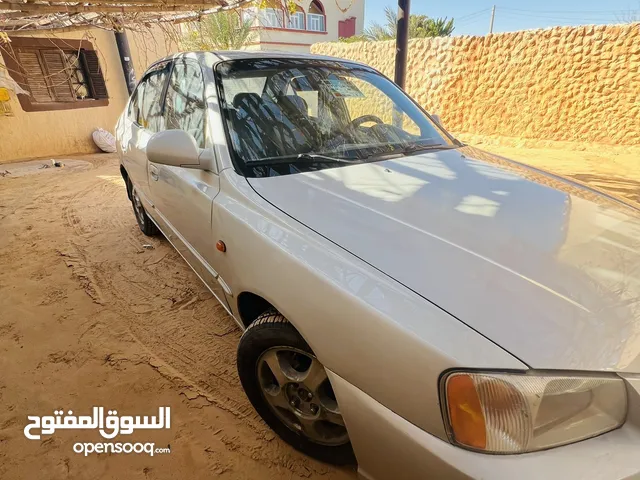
104, 140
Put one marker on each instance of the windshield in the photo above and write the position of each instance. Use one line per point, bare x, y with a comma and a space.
288, 116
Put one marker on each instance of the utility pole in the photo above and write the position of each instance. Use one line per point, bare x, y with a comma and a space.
402, 39
493, 16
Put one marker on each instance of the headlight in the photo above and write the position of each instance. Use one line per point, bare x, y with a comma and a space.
517, 413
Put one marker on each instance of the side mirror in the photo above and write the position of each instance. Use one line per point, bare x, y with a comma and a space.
174, 147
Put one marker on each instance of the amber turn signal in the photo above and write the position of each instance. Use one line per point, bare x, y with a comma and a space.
221, 246
465, 412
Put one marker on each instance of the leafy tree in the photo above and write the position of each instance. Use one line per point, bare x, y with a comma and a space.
225, 30
420, 26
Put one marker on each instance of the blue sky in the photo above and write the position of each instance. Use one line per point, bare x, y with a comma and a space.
472, 16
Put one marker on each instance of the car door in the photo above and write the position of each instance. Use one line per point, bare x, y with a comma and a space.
144, 118
183, 197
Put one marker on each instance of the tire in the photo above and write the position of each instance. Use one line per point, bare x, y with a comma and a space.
144, 222
271, 332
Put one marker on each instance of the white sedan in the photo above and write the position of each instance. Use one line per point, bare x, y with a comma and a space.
414, 305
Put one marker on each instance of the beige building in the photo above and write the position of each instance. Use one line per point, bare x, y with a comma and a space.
56, 88
75, 84
314, 21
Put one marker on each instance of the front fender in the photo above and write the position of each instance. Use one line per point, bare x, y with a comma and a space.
367, 328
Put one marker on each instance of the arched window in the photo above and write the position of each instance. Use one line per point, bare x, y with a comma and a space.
297, 19
316, 19
316, 7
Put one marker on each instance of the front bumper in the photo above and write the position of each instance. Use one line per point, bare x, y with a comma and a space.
388, 447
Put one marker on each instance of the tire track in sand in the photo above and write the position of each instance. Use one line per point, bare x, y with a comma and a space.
186, 335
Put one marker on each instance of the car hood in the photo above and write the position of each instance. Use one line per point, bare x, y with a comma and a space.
544, 267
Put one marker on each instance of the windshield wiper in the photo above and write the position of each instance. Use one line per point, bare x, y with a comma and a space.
299, 158
405, 150
417, 147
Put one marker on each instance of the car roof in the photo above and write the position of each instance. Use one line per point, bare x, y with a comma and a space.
224, 55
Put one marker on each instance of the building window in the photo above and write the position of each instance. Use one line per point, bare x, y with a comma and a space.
272, 18
316, 19
315, 22
296, 21
58, 74
249, 14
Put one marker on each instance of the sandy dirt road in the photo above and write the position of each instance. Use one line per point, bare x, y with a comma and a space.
90, 317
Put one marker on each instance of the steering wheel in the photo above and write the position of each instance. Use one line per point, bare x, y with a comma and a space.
356, 122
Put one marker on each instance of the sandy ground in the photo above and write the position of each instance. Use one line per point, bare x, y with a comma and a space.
88, 316
615, 169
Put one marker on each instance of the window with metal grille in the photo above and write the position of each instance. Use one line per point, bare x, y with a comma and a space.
58, 74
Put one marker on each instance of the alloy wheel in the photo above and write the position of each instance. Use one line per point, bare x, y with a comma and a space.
297, 389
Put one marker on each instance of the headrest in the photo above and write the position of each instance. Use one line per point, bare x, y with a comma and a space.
296, 102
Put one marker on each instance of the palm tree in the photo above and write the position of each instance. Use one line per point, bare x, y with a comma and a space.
375, 31
225, 30
420, 26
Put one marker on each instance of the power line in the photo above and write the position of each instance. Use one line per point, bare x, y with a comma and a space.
559, 18
473, 21
472, 17
567, 15
612, 12
473, 14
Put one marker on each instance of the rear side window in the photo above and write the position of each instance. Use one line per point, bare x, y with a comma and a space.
145, 108
185, 108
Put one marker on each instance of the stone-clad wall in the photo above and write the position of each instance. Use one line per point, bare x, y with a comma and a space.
569, 83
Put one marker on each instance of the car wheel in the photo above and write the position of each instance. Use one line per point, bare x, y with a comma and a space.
144, 222
289, 388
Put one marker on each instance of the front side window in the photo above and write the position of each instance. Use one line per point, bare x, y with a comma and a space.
145, 108
185, 107
287, 116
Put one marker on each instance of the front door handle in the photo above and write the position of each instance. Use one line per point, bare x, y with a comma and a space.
153, 171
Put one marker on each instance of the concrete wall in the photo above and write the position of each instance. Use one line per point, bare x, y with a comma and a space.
62, 132
568, 83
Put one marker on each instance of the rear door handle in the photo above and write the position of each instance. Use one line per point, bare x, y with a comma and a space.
153, 171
